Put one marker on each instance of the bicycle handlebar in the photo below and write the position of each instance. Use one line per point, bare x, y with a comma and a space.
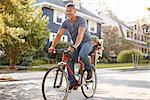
64, 51
59, 50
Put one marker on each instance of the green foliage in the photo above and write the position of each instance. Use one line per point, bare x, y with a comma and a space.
63, 45
145, 61
125, 56
2, 60
57, 57
22, 32
106, 58
103, 60
38, 62
113, 42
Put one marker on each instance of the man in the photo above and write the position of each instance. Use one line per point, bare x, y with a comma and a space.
82, 40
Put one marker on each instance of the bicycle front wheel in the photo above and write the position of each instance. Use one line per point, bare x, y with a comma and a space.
88, 88
55, 84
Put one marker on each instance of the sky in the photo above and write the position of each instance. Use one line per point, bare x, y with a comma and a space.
126, 10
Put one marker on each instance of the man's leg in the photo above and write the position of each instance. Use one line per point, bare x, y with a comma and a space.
84, 54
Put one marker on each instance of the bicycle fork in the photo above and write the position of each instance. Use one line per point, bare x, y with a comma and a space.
61, 78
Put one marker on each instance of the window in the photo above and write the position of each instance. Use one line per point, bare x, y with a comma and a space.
135, 27
92, 26
131, 35
146, 29
135, 36
138, 37
64, 38
128, 34
52, 36
58, 17
142, 49
143, 30
145, 39
142, 38
77, 5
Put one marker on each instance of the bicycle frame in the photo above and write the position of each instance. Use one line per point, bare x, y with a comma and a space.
64, 61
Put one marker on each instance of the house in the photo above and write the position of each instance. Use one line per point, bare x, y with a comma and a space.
140, 36
137, 34
55, 11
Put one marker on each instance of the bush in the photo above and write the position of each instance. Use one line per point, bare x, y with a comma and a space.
106, 58
125, 56
25, 61
145, 61
57, 57
3, 60
38, 62
62, 44
103, 60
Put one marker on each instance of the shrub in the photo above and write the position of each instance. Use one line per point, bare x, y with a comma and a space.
57, 57
106, 58
3, 60
26, 61
146, 61
38, 62
103, 60
62, 44
125, 56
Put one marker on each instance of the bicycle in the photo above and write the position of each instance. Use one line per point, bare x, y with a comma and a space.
55, 85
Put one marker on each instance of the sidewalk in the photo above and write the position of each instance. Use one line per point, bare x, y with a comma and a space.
20, 76
26, 75
128, 84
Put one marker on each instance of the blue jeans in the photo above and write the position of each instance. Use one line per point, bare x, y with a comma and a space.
83, 52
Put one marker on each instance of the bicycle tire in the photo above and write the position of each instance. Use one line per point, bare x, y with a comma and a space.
87, 93
52, 92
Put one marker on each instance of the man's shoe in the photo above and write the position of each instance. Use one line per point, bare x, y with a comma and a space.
71, 87
89, 75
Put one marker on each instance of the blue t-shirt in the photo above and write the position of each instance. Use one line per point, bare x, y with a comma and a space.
73, 29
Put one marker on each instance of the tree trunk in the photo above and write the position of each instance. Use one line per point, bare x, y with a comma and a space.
12, 65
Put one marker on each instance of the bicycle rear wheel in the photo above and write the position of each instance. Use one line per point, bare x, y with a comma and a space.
55, 84
88, 88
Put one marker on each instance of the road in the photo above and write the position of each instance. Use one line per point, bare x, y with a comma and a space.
112, 85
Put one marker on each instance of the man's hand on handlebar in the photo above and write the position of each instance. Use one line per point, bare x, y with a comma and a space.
51, 50
71, 48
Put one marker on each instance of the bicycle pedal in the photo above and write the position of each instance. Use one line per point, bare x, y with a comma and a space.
57, 86
75, 87
89, 81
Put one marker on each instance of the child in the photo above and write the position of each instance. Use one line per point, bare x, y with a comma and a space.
97, 49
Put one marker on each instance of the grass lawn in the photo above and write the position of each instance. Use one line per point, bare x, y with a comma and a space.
45, 67
111, 65
114, 65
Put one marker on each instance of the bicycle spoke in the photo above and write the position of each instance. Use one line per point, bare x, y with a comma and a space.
88, 87
55, 85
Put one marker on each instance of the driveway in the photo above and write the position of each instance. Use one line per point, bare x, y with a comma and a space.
112, 85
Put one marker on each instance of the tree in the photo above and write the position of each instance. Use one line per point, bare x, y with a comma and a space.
113, 42
21, 31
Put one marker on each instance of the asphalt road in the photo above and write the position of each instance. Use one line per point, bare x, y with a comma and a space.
112, 85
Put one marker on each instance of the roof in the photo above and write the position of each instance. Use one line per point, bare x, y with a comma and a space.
121, 23
62, 4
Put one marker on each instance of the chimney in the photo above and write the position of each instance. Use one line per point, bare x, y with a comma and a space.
67, 1
77, 4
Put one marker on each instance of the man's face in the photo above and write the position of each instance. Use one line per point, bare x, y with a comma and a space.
70, 11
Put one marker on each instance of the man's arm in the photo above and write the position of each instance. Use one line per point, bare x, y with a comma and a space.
58, 37
81, 32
